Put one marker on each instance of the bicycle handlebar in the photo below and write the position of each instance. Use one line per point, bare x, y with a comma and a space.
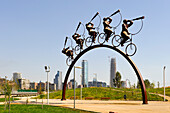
115, 13
78, 26
142, 17
94, 16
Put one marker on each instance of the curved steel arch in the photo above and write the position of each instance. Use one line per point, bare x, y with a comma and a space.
144, 95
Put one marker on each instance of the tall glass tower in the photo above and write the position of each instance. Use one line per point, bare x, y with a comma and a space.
112, 71
85, 73
58, 80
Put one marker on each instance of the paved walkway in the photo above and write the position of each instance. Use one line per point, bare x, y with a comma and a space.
106, 106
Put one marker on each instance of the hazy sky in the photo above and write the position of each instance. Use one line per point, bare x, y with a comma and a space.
32, 34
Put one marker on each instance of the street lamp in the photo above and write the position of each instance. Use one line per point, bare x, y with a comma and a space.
47, 69
81, 88
74, 81
164, 80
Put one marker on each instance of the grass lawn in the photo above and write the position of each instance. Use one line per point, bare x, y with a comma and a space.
112, 93
38, 109
3, 99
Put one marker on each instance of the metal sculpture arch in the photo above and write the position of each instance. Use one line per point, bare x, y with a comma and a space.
144, 95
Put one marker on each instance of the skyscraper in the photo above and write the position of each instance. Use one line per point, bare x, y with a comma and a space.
112, 71
58, 80
85, 73
16, 76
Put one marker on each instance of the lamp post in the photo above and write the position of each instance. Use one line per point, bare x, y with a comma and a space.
164, 80
74, 82
47, 69
81, 88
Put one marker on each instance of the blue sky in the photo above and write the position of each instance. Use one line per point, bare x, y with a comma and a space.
32, 34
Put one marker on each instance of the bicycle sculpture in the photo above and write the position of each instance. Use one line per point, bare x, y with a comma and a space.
117, 40
91, 30
79, 41
125, 38
107, 28
109, 31
68, 52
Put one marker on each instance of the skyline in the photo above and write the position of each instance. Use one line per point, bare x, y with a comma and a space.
32, 35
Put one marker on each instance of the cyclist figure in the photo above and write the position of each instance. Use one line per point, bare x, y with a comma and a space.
92, 32
107, 30
125, 33
68, 52
78, 40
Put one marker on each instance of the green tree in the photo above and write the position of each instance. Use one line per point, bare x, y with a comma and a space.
158, 84
138, 85
117, 80
147, 83
152, 85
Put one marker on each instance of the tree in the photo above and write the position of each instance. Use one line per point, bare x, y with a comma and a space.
152, 85
7, 91
138, 85
147, 83
158, 84
117, 80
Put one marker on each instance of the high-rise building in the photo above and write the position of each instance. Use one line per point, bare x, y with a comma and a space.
96, 83
33, 85
16, 76
85, 73
123, 84
24, 83
58, 80
112, 71
70, 84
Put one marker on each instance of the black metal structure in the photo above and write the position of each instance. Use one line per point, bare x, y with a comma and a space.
144, 95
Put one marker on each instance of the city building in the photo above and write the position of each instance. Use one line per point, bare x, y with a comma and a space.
112, 71
58, 80
16, 76
52, 87
2, 81
96, 83
41, 86
33, 85
85, 73
123, 84
70, 84
24, 83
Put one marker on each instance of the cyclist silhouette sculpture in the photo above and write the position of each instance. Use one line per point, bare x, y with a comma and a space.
78, 40
68, 52
107, 30
125, 33
92, 32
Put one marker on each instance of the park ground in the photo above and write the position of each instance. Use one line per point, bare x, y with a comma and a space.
105, 106
131, 105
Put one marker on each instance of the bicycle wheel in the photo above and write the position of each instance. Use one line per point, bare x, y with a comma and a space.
131, 49
77, 50
116, 40
101, 38
68, 61
88, 41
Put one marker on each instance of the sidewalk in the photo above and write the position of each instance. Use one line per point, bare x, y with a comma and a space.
106, 106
